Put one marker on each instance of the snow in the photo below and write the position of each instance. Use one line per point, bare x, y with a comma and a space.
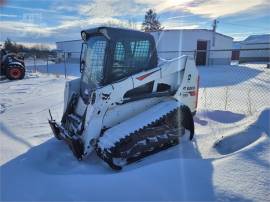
120, 131
229, 158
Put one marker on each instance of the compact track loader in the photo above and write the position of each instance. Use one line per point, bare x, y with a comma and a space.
127, 104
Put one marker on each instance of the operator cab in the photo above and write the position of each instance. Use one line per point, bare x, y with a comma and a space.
112, 54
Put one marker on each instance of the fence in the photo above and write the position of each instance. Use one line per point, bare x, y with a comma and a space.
229, 88
243, 89
241, 85
221, 56
226, 83
67, 63
61, 65
235, 80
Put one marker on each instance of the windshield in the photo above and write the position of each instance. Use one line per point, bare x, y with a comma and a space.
93, 60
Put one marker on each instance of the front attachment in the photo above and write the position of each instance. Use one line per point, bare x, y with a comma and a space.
74, 143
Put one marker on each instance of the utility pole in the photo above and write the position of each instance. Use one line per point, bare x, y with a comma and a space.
214, 32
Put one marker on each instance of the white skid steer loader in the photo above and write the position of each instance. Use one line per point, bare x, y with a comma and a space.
126, 105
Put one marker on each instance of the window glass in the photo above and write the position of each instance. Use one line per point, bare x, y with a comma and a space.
119, 54
130, 57
141, 50
94, 60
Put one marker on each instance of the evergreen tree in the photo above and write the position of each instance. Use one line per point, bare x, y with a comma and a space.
151, 22
37, 50
9, 46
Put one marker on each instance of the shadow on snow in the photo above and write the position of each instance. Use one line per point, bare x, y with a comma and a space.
243, 138
50, 172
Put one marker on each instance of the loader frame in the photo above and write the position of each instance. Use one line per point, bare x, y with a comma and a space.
111, 102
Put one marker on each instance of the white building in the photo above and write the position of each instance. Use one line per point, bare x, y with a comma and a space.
201, 43
250, 49
69, 49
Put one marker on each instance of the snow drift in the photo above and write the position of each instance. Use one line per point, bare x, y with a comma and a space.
245, 133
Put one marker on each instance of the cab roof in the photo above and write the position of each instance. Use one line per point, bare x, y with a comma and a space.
117, 33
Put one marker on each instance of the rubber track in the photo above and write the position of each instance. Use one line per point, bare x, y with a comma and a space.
123, 149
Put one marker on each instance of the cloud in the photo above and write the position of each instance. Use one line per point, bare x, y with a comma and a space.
67, 6
85, 23
174, 23
22, 29
161, 6
239, 36
31, 9
179, 17
111, 8
8, 15
207, 8
214, 9
65, 19
256, 12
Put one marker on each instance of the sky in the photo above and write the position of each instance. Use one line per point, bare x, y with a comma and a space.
46, 21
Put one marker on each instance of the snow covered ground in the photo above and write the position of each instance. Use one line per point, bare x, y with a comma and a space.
229, 158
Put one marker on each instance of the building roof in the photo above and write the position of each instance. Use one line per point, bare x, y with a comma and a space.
258, 39
207, 30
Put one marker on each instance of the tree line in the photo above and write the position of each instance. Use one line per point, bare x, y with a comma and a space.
37, 50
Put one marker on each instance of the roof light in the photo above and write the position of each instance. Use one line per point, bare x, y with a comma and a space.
83, 36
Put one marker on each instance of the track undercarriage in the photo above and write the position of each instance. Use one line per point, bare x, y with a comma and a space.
152, 138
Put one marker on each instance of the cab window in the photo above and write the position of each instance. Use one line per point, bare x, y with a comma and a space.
130, 57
